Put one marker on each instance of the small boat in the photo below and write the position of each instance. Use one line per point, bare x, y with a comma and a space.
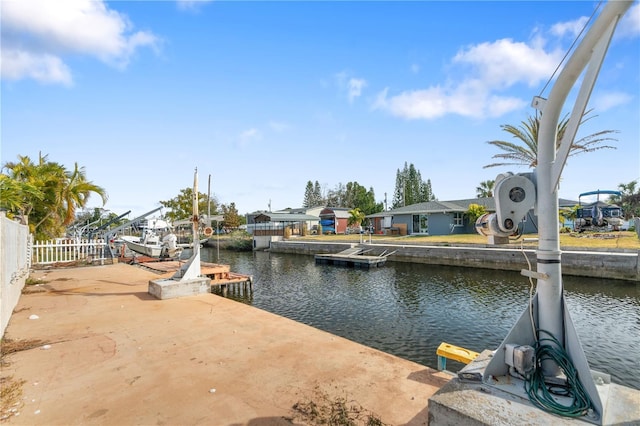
150, 244
598, 214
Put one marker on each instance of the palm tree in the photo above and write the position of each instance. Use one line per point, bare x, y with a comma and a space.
13, 195
45, 195
527, 134
485, 189
75, 192
629, 199
27, 186
355, 217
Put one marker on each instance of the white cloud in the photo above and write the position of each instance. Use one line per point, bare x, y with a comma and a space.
436, 102
490, 68
43, 68
503, 63
351, 85
610, 100
570, 28
629, 25
428, 103
248, 136
278, 126
355, 88
497, 106
46, 31
191, 5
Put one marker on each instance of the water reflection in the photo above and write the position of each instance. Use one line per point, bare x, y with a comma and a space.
409, 309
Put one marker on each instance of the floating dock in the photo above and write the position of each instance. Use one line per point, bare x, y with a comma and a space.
220, 275
353, 257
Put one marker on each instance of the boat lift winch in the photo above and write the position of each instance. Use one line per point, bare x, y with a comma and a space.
111, 234
526, 362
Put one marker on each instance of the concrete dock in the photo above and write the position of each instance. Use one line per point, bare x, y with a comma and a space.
109, 353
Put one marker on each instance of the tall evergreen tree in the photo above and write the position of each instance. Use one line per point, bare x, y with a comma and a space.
398, 193
427, 192
410, 188
308, 195
318, 200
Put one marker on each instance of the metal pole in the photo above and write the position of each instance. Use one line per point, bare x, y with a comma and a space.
550, 312
209, 202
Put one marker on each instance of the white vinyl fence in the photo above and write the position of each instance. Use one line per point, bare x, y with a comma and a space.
64, 250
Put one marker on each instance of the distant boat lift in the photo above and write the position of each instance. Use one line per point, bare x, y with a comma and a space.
353, 257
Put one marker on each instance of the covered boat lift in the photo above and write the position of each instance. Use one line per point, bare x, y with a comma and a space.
272, 227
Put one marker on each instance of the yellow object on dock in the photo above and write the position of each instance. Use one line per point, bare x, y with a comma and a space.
456, 353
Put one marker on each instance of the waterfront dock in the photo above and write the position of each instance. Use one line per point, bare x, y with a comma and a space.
101, 350
220, 275
352, 257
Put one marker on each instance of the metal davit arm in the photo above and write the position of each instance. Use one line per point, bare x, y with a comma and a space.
591, 51
547, 321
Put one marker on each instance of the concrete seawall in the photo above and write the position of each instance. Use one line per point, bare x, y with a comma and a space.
597, 264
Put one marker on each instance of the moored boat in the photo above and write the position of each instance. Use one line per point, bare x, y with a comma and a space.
150, 244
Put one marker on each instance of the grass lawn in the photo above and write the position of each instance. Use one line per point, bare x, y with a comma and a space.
593, 240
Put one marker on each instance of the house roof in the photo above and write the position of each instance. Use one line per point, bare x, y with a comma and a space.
563, 202
380, 214
444, 206
339, 212
452, 206
284, 217
300, 210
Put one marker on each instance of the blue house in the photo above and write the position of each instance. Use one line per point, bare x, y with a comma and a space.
442, 218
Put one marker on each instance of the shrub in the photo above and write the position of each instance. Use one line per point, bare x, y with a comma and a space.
240, 241
474, 212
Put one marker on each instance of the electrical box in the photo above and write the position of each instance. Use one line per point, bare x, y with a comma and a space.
521, 357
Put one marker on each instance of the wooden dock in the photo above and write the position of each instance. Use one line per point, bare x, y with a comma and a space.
220, 275
354, 257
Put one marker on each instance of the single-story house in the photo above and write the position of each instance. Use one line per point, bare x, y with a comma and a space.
442, 217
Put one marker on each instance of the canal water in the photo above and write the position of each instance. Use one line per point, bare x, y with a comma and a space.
409, 309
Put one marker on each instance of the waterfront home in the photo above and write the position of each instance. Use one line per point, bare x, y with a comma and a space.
443, 217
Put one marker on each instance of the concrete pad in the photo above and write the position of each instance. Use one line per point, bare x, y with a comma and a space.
169, 289
465, 400
119, 356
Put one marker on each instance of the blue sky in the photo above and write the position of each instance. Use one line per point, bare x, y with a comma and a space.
265, 96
